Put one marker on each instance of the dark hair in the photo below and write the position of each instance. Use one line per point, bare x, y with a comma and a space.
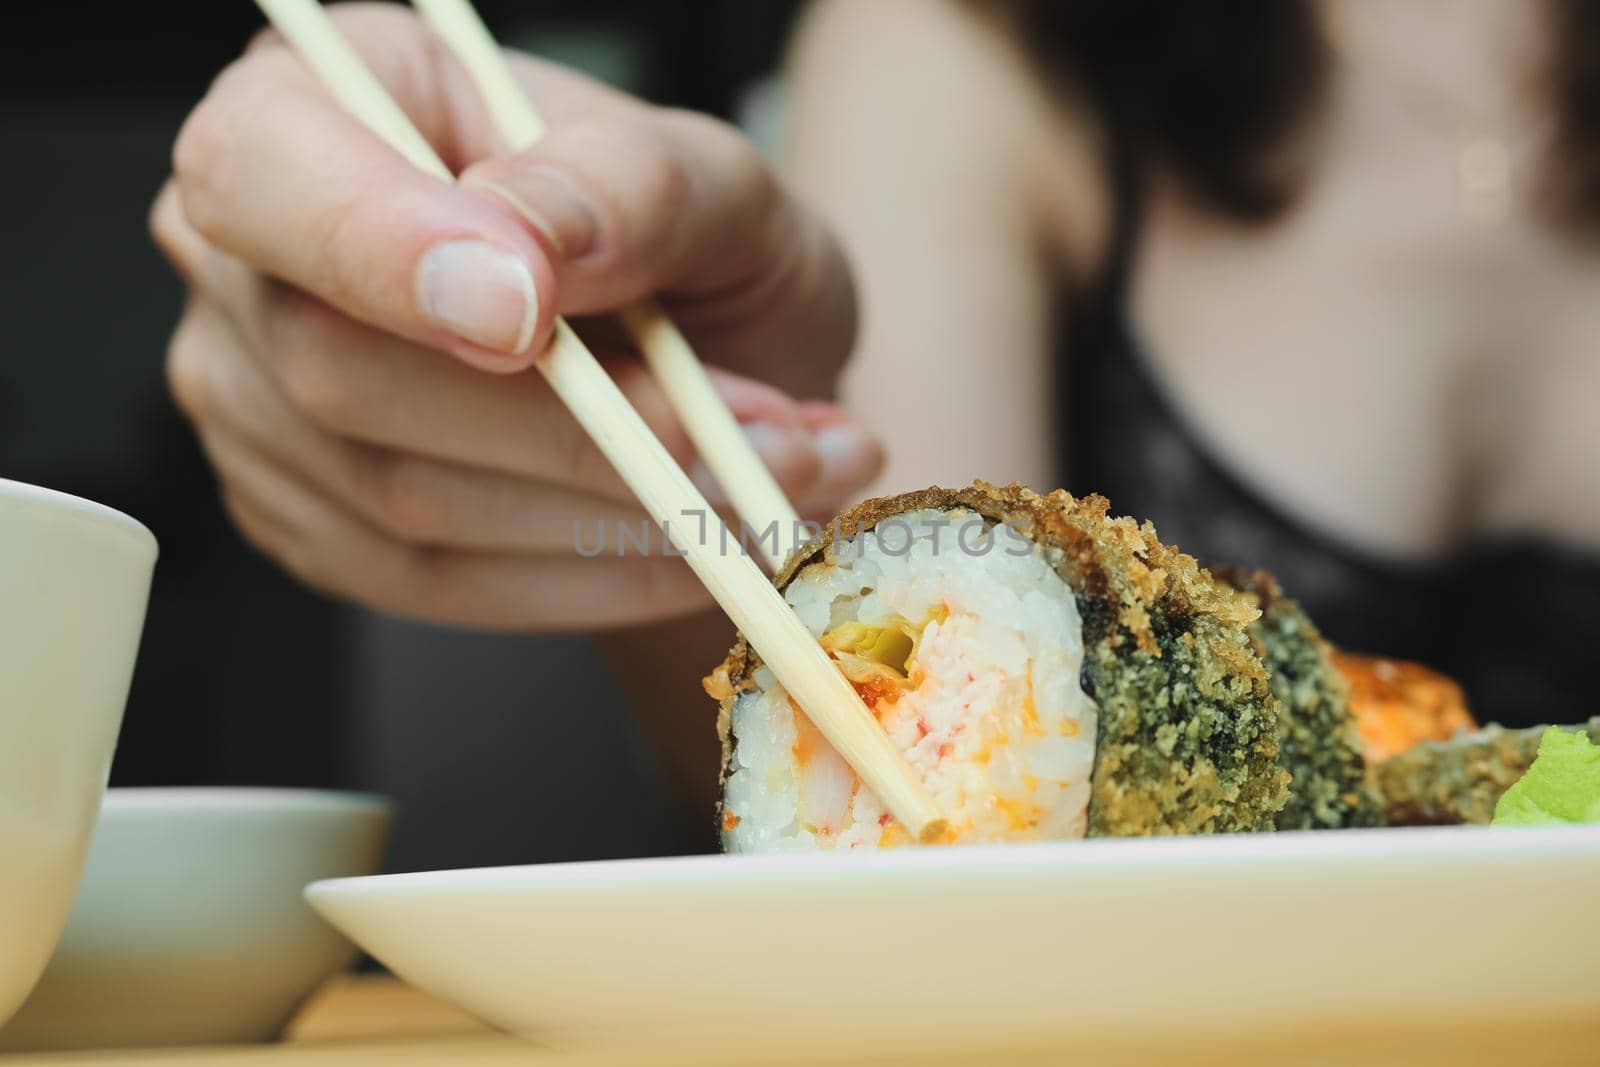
1216, 91
1575, 87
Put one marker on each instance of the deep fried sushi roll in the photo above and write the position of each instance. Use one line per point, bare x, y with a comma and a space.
1319, 743
1461, 780
1048, 670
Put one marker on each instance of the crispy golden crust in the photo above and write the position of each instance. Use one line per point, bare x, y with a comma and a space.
1461, 780
1188, 728
1318, 742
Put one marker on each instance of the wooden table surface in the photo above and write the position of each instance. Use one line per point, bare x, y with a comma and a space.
378, 1020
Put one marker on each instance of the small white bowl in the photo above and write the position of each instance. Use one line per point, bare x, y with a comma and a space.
189, 925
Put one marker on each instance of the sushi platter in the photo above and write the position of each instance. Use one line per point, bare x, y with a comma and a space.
1170, 812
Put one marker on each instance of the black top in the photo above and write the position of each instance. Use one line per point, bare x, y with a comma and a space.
1513, 620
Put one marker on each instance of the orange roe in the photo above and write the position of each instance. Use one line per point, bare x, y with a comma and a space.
1397, 704
878, 693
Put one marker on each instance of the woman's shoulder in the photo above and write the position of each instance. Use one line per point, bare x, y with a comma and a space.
945, 83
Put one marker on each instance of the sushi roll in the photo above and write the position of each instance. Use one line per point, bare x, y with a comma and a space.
1319, 743
1460, 780
1050, 672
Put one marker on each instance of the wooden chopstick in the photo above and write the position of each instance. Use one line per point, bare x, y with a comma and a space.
711, 426
733, 579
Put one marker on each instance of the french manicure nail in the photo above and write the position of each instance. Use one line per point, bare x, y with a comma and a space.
480, 293
786, 451
849, 458
552, 204
846, 450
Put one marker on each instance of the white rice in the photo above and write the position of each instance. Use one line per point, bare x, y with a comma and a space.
1001, 627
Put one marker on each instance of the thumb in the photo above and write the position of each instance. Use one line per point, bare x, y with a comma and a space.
644, 202
269, 169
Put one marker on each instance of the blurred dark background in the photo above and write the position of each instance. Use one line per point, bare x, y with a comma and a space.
245, 677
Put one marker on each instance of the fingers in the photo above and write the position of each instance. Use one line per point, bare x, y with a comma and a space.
695, 215
618, 201
354, 382
406, 495
327, 547
431, 543
327, 275
849, 458
626, 231
358, 384
271, 170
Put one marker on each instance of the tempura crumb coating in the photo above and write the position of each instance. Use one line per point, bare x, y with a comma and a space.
1319, 743
1459, 781
1187, 738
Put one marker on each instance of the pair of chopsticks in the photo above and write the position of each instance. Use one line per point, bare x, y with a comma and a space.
751, 489
733, 579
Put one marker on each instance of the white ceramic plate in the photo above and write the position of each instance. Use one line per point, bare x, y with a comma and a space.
1001, 947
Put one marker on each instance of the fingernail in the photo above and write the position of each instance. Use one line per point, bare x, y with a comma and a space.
787, 451
850, 458
552, 204
480, 293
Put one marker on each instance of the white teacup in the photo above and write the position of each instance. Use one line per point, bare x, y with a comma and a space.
74, 579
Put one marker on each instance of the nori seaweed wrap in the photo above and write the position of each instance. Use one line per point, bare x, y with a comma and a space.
1318, 740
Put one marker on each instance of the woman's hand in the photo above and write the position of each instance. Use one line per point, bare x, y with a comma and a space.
357, 350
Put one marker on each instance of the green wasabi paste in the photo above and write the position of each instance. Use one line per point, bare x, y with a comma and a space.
1562, 786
